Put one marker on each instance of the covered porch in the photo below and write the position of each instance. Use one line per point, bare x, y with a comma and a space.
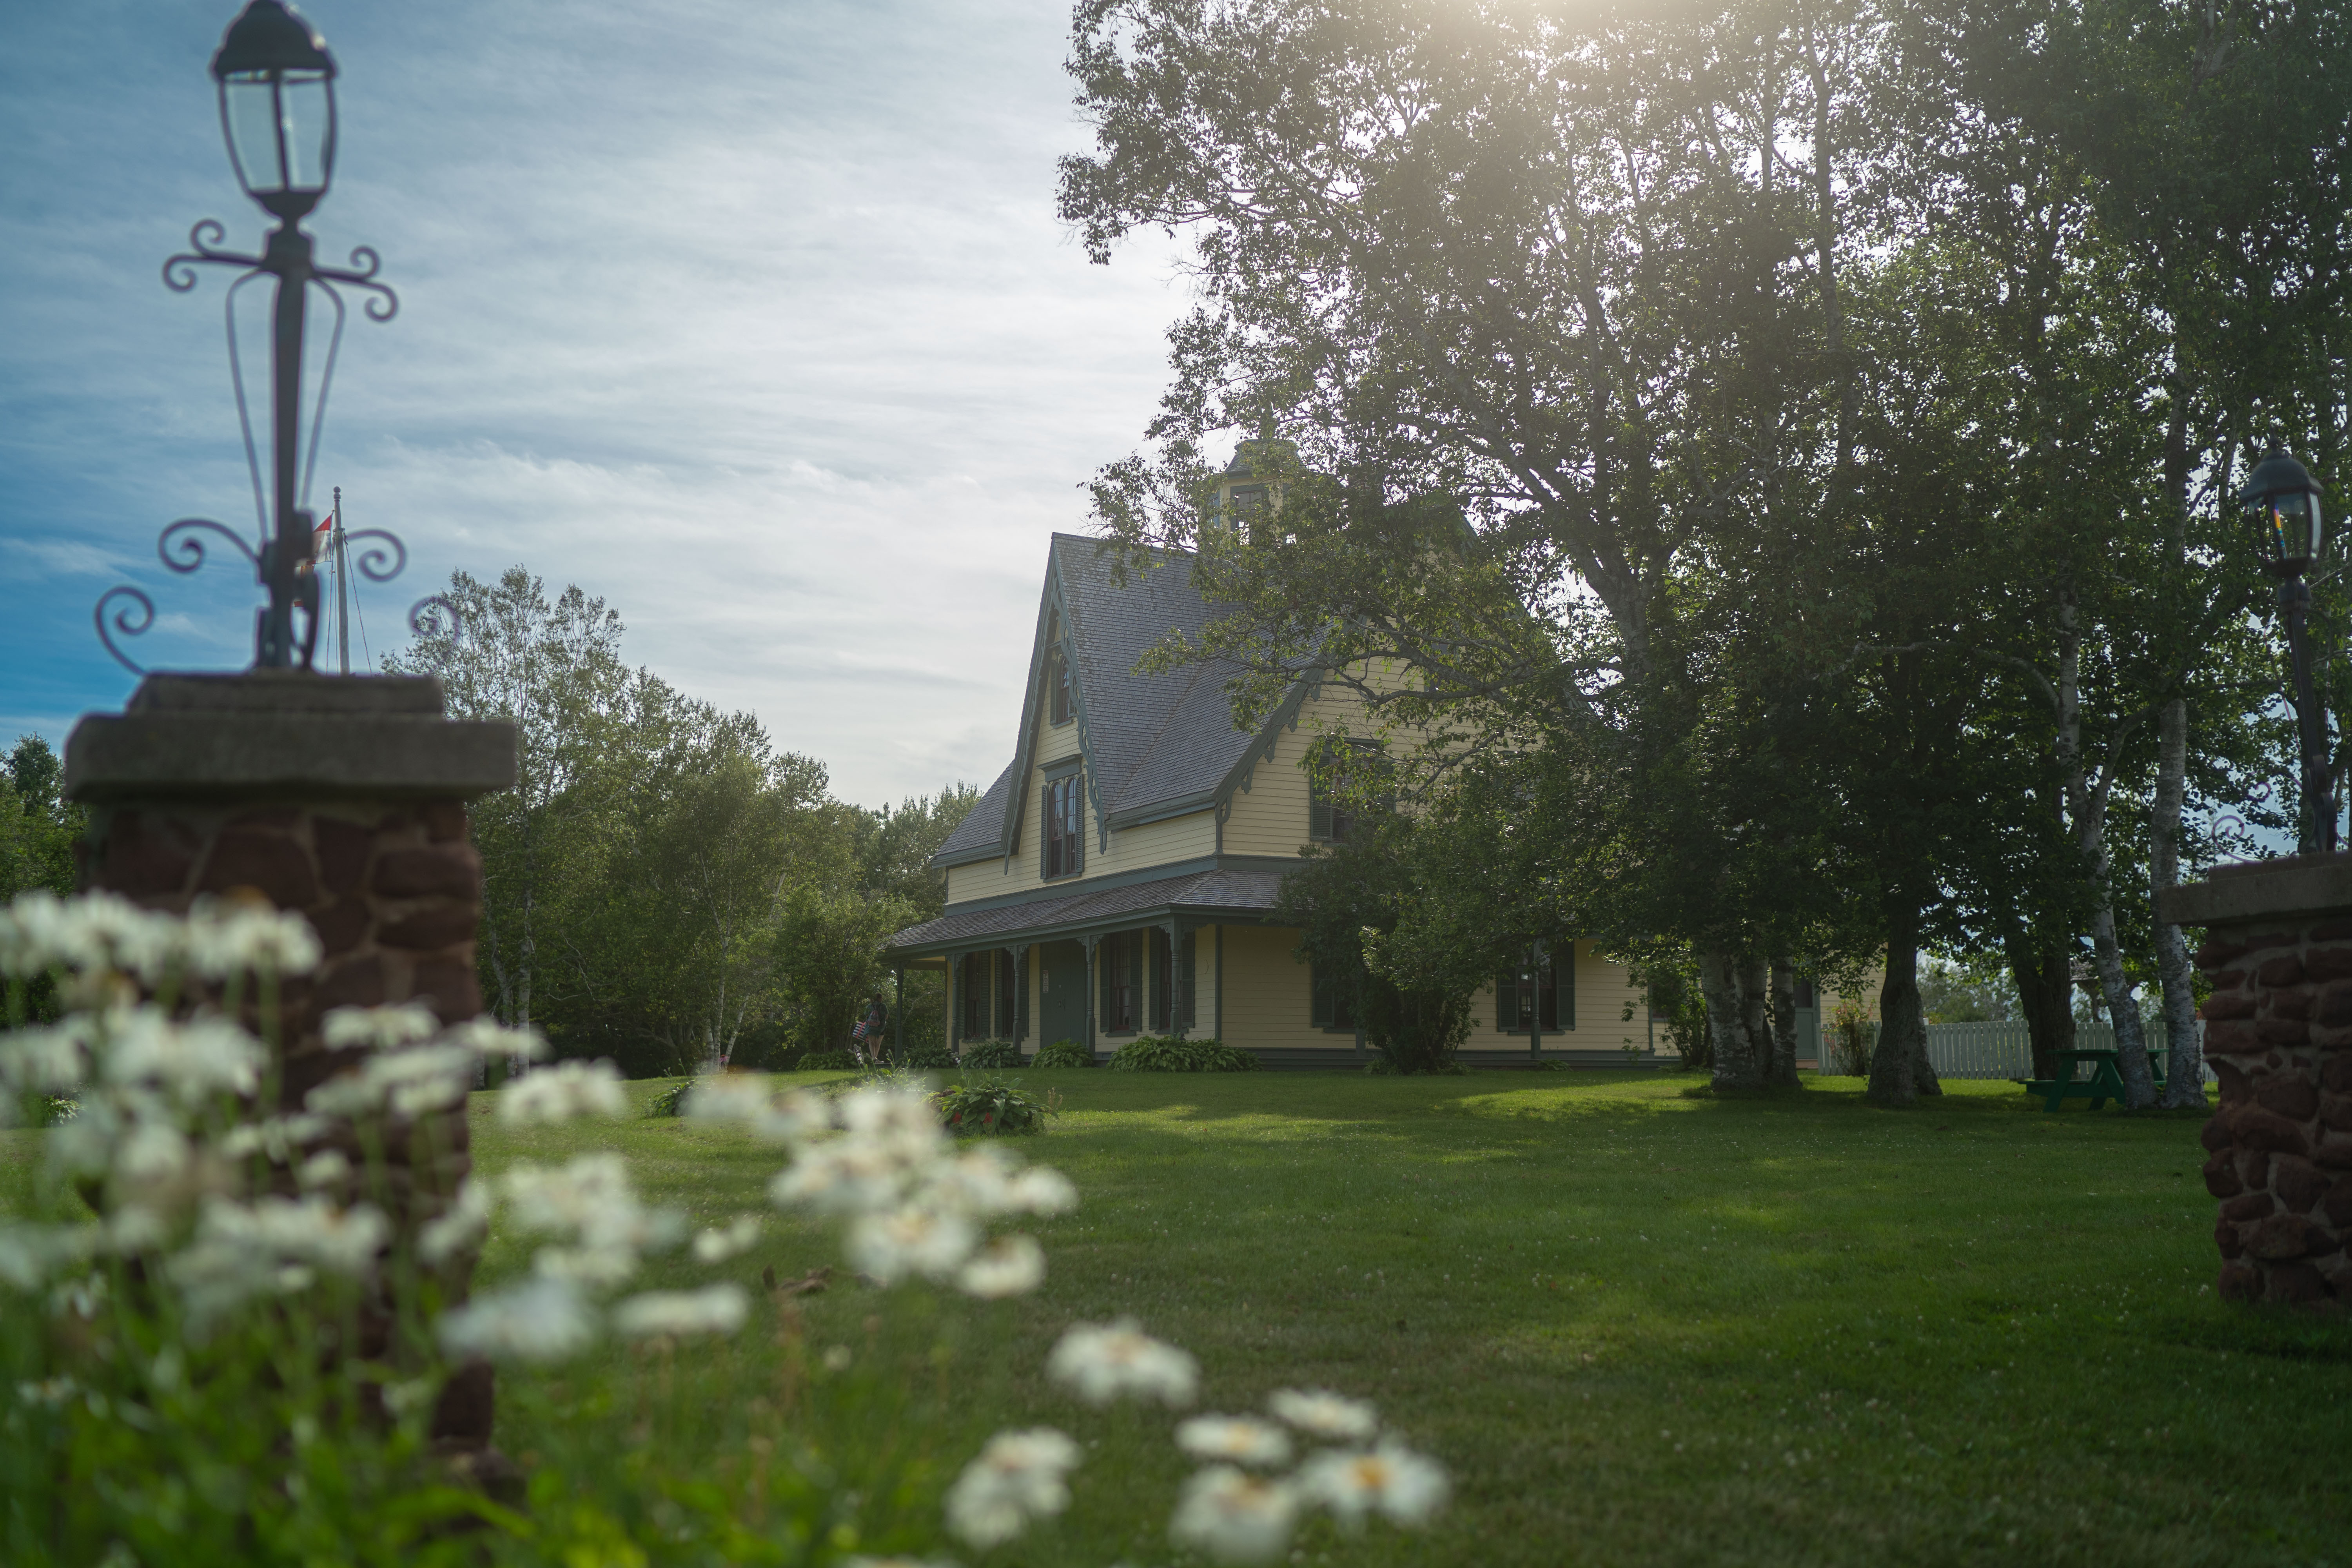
1095, 967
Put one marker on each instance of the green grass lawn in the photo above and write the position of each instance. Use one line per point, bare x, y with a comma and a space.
1639, 1326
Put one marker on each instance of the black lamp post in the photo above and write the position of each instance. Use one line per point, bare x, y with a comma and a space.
2282, 501
277, 85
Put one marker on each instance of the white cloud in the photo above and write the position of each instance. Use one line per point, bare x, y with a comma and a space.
754, 319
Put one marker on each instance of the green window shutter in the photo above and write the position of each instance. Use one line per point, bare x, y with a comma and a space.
1565, 985
1319, 815
1318, 1008
1507, 1002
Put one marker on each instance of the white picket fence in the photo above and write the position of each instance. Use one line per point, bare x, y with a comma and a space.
2000, 1050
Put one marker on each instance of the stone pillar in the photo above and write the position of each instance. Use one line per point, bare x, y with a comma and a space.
342, 798
2278, 1032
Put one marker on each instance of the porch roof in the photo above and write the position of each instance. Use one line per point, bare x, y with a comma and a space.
1219, 897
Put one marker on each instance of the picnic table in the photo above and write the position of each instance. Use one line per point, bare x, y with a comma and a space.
2104, 1083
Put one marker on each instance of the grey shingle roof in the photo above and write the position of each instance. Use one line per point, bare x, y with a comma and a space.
1244, 893
983, 827
1152, 741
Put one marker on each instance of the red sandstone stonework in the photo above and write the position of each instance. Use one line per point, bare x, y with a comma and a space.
2279, 1036
341, 799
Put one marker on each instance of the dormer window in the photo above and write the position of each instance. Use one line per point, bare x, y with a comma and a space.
1063, 842
1057, 688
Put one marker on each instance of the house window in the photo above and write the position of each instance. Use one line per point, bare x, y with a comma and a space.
1008, 995
1064, 846
1334, 1006
1121, 956
1540, 993
971, 990
1057, 688
1330, 814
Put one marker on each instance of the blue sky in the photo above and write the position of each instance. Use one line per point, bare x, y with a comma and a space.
752, 318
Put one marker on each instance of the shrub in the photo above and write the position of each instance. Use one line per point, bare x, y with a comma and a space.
826, 1061
1165, 1053
930, 1053
992, 1054
986, 1104
1851, 1038
670, 1102
1063, 1054
204, 1364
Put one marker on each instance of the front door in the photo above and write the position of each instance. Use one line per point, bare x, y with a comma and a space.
1061, 1013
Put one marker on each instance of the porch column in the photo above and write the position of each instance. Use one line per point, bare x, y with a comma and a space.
1021, 993
1089, 943
1217, 1012
954, 990
1175, 929
1535, 1011
898, 1015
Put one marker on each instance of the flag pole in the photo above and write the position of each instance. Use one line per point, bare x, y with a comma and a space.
342, 603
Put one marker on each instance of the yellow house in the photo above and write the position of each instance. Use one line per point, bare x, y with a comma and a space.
1119, 877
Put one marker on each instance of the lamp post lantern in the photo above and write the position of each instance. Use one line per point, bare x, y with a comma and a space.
2282, 503
277, 87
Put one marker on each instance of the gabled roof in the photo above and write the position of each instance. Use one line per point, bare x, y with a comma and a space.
1156, 744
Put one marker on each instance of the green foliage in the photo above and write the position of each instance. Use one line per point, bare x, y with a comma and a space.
1063, 1054
930, 1057
826, 1061
1165, 1053
1669, 976
982, 1104
37, 828
662, 887
671, 1102
1350, 902
992, 1054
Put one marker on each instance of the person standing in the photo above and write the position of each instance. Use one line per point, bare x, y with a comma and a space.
868, 1037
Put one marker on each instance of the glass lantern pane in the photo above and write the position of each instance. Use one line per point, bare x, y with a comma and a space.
309, 118
248, 102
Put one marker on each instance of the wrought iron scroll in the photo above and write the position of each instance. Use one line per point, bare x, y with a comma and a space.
127, 611
434, 616
141, 604
182, 550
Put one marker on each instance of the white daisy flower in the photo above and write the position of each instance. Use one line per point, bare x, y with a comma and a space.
379, 1028
1392, 1479
463, 1224
564, 1092
1235, 1440
892, 1113
911, 1241
48, 1059
1101, 1362
1009, 1266
1040, 1191
542, 1319
192, 1061
1019, 1478
1319, 1412
714, 1310
420, 1080
327, 1168
845, 1175
1234, 1517
491, 1040
219, 939
716, 1245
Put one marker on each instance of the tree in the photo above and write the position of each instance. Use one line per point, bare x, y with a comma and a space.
554, 669
1585, 275
39, 828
